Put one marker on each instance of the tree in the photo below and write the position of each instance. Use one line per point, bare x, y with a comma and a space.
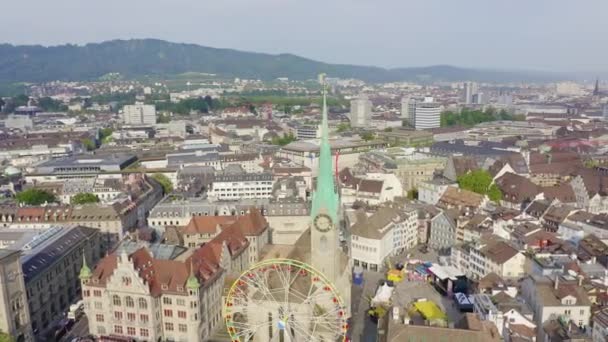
494, 193
35, 197
105, 134
84, 198
343, 127
412, 194
367, 136
164, 181
4, 337
284, 140
480, 181
51, 105
388, 129
88, 144
208, 101
469, 117
163, 118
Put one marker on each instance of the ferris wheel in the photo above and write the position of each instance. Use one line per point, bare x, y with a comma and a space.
284, 300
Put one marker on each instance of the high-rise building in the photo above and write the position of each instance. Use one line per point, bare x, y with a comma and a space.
470, 90
405, 108
139, 114
360, 111
421, 114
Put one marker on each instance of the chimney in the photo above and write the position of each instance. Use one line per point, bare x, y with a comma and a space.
556, 282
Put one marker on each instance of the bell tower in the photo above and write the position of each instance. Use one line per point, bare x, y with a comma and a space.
324, 221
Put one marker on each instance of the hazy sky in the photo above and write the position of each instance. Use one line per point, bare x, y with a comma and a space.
561, 35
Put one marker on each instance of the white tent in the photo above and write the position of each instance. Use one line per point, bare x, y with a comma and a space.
383, 295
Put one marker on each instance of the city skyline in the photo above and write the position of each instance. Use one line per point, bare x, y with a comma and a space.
467, 34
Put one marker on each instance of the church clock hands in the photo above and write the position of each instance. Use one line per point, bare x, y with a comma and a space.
323, 223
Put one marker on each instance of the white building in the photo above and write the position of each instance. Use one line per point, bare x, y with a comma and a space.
139, 114
558, 298
472, 95
384, 233
374, 189
360, 112
308, 132
477, 261
431, 191
421, 114
240, 186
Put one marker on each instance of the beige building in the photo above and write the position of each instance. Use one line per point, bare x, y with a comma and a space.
559, 298
150, 297
47, 272
253, 225
415, 171
15, 316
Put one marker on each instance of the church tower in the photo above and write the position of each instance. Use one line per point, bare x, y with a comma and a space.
325, 223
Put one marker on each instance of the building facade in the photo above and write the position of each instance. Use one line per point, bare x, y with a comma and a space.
139, 114
360, 112
15, 317
242, 186
422, 114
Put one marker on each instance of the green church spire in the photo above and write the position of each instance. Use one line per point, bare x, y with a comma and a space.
192, 282
325, 198
85, 271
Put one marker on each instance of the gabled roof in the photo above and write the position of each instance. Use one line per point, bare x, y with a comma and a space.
516, 188
207, 224
464, 164
454, 196
252, 223
499, 252
161, 276
370, 227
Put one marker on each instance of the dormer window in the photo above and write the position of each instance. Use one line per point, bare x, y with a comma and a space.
180, 289
164, 287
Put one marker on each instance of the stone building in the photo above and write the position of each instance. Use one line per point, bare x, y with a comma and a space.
153, 297
15, 316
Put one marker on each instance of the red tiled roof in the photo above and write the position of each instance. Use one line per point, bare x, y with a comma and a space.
253, 223
207, 224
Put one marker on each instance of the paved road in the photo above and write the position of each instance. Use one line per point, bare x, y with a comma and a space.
79, 329
363, 329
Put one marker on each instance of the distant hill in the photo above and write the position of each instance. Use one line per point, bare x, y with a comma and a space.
141, 57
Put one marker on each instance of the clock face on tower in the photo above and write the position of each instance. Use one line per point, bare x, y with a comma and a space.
323, 223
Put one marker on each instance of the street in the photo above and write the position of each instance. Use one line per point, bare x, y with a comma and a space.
363, 329
79, 329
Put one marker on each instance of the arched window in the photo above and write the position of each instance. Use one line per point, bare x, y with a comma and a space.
142, 303
129, 302
116, 300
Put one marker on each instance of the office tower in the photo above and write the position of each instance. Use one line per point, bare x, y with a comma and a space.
139, 114
360, 112
471, 89
405, 108
422, 114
